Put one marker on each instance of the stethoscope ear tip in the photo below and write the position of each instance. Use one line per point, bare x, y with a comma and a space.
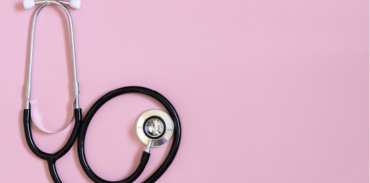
76, 4
28, 4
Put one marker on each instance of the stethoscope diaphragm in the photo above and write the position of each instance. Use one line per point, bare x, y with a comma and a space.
155, 125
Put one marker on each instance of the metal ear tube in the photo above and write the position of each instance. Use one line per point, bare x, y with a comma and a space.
76, 101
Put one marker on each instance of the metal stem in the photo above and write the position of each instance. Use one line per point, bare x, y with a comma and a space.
149, 145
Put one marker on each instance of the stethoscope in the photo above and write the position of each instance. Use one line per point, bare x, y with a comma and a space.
154, 127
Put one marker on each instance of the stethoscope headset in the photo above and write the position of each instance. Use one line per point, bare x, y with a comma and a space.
153, 127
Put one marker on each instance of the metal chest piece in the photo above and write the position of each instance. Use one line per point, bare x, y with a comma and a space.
154, 128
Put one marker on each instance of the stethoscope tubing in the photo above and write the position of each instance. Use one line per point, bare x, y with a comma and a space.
170, 157
51, 158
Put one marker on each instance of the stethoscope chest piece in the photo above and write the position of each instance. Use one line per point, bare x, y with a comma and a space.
154, 126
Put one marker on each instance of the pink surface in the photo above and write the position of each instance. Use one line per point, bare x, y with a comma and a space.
267, 92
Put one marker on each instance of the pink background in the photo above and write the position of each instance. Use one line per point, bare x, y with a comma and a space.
267, 91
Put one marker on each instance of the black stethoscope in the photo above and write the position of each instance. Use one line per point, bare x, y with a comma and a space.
153, 127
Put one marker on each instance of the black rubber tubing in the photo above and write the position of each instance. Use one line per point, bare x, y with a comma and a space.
171, 155
51, 158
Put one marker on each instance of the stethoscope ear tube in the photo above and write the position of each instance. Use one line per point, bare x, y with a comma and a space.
50, 158
145, 157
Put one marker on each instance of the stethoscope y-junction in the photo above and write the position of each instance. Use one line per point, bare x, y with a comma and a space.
153, 127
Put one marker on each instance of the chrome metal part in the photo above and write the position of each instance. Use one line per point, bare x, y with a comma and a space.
154, 127
76, 103
148, 146
50, 1
154, 115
